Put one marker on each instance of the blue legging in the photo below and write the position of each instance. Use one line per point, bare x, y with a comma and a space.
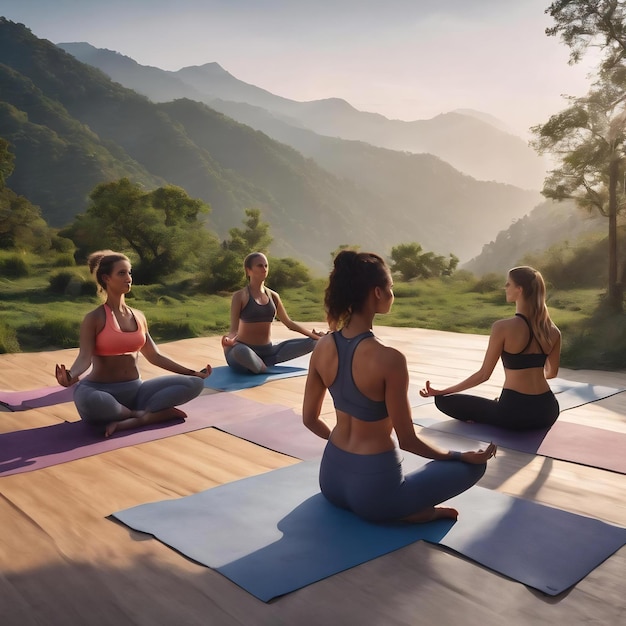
248, 358
374, 487
102, 403
513, 410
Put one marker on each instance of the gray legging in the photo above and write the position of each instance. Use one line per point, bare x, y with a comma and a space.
102, 403
374, 487
246, 358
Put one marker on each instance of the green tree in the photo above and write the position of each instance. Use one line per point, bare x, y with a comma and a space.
254, 238
161, 227
21, 224
6, 162
287, 272
582, 24
589, 136
410, 262
224, 266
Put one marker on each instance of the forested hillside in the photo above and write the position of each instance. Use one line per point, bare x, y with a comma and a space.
548, 224
71, 127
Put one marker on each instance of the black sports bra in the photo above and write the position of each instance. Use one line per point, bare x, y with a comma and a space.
521, 361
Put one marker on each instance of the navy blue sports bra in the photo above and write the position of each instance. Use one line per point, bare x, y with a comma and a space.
255, 312
521, 361
346, 395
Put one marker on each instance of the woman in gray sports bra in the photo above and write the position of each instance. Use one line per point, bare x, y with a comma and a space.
248, 347
529, 345
361, 469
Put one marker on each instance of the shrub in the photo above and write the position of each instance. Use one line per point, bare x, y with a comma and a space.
8, 339
58, 332
14, 266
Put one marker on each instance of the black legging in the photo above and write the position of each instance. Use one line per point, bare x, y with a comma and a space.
513, 410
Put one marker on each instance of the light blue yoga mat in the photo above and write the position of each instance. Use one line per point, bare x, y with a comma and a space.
274, 533
571, 394
224, 378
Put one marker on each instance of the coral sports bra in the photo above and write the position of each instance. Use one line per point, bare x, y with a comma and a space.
521, 361
346, 395
113, 341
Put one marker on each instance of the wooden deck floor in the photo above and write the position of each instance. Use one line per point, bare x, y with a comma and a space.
63, 562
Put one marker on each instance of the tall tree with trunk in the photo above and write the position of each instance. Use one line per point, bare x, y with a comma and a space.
589, 137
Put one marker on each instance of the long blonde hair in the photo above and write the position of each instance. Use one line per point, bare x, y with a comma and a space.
534, 292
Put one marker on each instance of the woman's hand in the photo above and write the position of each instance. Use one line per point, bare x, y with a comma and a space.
205, 372
228, 342
316, 334
428, 391
64, 376
477, 457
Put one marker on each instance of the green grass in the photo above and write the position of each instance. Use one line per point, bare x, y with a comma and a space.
35, 317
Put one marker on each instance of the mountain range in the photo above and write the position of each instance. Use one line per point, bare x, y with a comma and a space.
472, 142
71, 126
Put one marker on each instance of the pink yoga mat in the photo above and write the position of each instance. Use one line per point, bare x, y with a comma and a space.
566, 441
27, 450
35, 398
282, 431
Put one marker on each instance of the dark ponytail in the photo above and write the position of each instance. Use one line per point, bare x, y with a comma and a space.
353, 276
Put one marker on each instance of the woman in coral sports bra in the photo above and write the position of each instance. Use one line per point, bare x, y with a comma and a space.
529, 344
113, 395
248, 346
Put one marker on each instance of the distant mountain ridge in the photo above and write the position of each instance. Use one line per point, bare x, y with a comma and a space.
468, 142
71, 127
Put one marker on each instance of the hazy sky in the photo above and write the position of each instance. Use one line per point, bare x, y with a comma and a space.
406, 59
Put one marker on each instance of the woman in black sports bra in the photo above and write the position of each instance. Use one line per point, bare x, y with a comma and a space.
248, 346
529, 344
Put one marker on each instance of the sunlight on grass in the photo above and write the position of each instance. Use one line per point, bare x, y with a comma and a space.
43, 310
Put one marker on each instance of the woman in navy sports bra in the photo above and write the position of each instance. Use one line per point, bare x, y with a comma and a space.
361, 469
113, 395
248, 347
529, 345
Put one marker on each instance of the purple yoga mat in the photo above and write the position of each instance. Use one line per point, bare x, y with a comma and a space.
566, 441
27, 450
282, 431
35, 398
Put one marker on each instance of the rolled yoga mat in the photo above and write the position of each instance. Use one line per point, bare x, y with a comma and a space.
274, 533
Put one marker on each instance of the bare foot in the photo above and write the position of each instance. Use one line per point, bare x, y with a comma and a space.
144, 418
432, 514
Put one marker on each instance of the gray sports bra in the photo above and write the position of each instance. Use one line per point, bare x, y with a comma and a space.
346, 395
255, 312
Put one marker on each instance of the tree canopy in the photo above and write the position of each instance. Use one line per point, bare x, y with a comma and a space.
161, 227
589, 136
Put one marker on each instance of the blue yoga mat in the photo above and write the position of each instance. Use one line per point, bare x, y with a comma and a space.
274, 533
224, 378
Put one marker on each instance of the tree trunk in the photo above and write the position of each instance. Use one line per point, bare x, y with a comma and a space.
615, 291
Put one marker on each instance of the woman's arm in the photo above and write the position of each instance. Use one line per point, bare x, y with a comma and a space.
494, 350
314, 393
87, 342
551, 368
283, 316
236, 305
396, 399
